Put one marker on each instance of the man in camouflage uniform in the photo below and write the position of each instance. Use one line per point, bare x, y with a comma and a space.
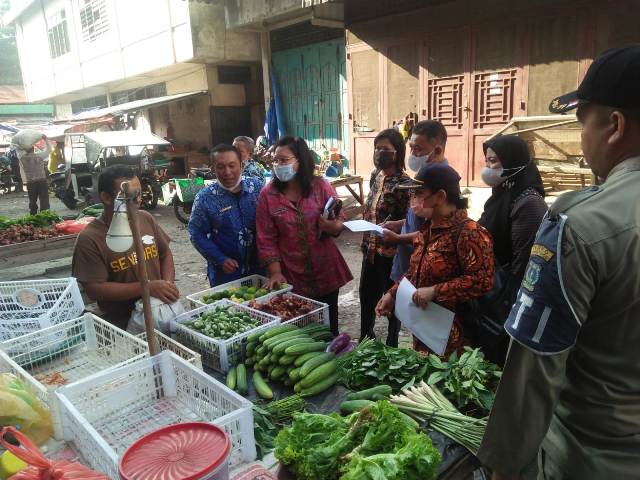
569, 399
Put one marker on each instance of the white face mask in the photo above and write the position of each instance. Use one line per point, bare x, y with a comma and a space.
492, 176
416, 163
230, 189
284, 173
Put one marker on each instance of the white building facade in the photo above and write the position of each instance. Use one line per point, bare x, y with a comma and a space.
90, 54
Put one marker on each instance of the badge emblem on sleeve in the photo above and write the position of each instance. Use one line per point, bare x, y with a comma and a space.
542, 318
531, 276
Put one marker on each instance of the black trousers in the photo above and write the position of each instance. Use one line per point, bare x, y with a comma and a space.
374, 283
331, 299
38, 190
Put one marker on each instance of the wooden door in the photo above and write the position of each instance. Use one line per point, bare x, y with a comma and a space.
312, 81
496, 86
447, 93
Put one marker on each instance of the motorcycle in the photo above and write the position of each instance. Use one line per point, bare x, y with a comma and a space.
92, 152
182, 209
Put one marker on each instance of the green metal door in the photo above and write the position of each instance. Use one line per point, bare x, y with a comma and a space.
313, 84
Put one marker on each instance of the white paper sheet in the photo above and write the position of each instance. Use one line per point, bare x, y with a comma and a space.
363, 226
431, 325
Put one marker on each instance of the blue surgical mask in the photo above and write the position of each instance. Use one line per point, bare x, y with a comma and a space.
284, 173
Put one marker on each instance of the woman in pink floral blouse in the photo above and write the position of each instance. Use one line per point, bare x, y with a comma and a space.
289, 224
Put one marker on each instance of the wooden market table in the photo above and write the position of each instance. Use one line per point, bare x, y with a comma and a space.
349, 183
35, 251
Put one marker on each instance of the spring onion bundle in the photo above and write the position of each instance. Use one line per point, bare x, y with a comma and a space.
427, 405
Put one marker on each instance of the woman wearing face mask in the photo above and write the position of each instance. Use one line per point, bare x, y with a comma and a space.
384, 203
512, 215
290, 223
222, 225
452, 261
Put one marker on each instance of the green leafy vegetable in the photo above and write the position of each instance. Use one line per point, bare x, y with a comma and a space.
373, 363
42, 219
469, 381
376, 443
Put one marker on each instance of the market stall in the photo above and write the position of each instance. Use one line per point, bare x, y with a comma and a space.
286, 395
37, 238
350, 182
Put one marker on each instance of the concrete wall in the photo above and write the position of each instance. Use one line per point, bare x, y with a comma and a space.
241, 13
213, 43
191, 121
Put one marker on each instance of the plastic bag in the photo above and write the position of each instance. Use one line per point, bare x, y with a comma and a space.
70, 227
21, 408
163, 316
40, 467
27, 138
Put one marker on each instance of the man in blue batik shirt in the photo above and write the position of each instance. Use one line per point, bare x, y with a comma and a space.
222, 225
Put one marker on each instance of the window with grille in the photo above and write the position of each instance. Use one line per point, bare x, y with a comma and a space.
93, 19
89, 104
58, 34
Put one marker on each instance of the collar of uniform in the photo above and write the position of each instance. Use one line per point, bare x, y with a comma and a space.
629, 165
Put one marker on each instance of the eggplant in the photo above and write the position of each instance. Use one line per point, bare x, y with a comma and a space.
348, 348
338, 343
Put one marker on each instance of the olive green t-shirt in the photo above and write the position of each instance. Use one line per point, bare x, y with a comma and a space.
94, 262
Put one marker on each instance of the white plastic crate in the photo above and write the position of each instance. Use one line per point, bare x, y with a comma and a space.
257, 281
29, 306
70, 351
167, 343
105, 414
320, 313
219, 355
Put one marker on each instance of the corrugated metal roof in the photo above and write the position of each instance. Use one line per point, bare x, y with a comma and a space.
135, 105
123, 138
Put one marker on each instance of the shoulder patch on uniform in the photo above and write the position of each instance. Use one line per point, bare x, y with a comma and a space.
542, 252
542, 318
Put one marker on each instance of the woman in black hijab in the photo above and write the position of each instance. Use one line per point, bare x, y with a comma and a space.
512, 215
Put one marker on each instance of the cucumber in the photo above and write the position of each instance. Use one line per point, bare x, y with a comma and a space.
384, 390
282, 347
254, 337
241, 374
250, 362
315, 362
281, 336
270, 370
261, 386
295, 374
319, 387
297, 388
262, 351
286, 360
319, 374
272, 346
251, 347
231, 378
277, 372
352, 406
264, 362
303, 358
410, 420
272, 332
305, 348
322, 335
